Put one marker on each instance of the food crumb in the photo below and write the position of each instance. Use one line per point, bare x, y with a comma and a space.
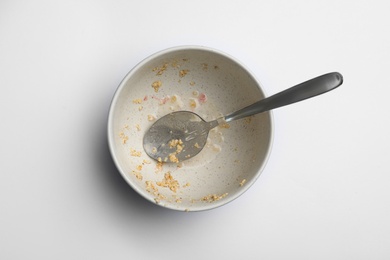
135, 153
123, 137
151, 188
159, 166
178, 144
169, 182
138, 175
151, 118
139, 167
182, 73
156, 85
137, 126
192, 83
173, 158
160, 70
213, 197
204, 66
193, 103
174, 142
202, 98
140, 108
242, 182
146, 161
137, 101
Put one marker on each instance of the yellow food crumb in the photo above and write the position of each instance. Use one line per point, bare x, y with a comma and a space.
182, 73
146, 161
138, 127
151, 188
186, 185
175, 64
138, 175
137, 101
174, 142
123, 137
192, 83
151, 118
169, 182
139, 167
193, 103
179, 148
196, 145
205, 66
159, 166
140, 108
173, 158
213, 197
242, 182
156, 85
178, 144
160, 70
135, 153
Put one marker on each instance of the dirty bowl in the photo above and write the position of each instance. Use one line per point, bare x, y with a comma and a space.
207, 82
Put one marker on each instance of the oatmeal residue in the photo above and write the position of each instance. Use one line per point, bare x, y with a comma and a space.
158, 177
156, 85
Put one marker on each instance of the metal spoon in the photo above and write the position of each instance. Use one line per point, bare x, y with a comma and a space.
182, 135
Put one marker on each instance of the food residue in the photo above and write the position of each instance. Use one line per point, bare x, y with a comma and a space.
213, 197
182, 73
160, 70
151, 118
135, 153
123, 137
138, 175
156, 85
169, 182
202, 98
137, 101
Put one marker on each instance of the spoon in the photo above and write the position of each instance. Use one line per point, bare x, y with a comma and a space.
181, 135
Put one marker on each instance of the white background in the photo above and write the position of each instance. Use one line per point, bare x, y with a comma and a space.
324, 194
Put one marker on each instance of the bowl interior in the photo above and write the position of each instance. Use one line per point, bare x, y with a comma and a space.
206, 82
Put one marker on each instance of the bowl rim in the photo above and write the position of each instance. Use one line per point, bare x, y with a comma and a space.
110, 119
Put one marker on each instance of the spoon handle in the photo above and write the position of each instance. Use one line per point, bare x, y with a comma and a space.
302, 91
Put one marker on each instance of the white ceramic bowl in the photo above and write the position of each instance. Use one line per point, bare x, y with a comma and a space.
210, 83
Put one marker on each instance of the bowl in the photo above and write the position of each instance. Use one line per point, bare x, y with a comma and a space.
205, 81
